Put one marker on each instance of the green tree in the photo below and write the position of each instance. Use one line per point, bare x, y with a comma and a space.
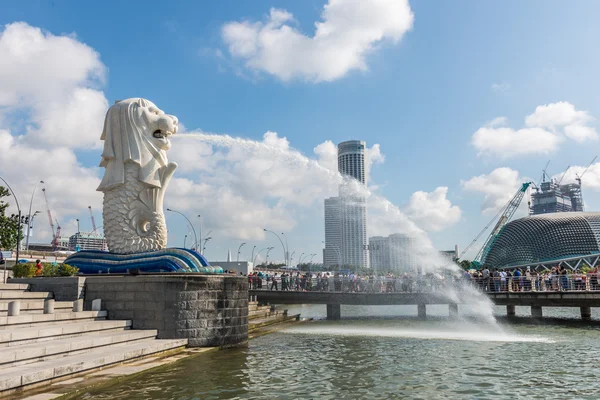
464, 264
8, 223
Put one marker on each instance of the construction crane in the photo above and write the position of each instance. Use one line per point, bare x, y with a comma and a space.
93, 220
578, 177
55, 231
563, 175
57, 236
505, 214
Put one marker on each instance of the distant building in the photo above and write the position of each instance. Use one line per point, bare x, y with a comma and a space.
551, 197
394, 253
87, 241
245, 267
546, 238
332, 254
353, 207
351, 160
379, 253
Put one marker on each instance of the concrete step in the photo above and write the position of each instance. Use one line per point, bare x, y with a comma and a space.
14, 286
50, 319
258, 308
259, 323
19, 335
36, 307
15, 377
10, 295
264, 314
35, 352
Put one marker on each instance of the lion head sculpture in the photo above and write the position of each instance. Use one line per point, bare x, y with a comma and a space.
135, 131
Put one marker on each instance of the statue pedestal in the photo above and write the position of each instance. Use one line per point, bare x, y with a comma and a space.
167, 260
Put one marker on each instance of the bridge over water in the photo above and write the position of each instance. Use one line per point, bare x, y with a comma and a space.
536, 300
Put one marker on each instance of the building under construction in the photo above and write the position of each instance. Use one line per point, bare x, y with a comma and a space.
87, 241
552, 197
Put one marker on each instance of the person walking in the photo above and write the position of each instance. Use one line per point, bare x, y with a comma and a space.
38, 268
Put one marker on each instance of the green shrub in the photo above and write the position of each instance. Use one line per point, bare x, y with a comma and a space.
50, 270
24, 270
586, 268
68, 270
59, 270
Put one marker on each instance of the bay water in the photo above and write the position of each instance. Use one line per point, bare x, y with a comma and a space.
385, 352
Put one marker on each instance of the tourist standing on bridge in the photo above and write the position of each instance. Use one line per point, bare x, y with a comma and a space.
274, 282
486, 279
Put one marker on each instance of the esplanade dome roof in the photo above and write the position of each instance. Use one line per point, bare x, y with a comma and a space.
545, 237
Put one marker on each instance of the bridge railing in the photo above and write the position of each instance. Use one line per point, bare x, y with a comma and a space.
346, 284
538, 283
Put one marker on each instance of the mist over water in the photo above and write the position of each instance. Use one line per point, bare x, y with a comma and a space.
381, 211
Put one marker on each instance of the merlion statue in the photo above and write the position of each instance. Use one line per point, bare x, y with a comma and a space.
136, 139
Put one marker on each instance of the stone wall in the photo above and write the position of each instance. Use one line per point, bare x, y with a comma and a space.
208, 310
65, 288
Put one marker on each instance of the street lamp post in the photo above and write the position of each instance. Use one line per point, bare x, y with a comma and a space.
18, 226
292, 257
268, 251
29, 227
280, 241
256, 256
190, 222
300, 259
252, 256
311, 257
238, 253
200, 242
204, 246
29, 215
287, 250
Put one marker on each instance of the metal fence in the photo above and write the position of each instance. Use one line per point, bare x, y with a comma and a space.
536, 283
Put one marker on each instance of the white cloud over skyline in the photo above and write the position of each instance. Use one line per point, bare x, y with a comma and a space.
238, 185
347, 33
545, 129
498, 187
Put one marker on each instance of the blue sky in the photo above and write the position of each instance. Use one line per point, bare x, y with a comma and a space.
421, 96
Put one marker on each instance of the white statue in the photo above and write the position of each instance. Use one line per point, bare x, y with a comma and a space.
136, 139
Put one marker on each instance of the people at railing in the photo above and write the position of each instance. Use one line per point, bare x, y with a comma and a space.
491, 280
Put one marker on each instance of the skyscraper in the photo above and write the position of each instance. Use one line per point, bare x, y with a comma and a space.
332, 254
348, 231
351, 160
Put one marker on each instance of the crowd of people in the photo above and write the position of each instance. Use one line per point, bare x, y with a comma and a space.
518, 280
486, 280
346, 282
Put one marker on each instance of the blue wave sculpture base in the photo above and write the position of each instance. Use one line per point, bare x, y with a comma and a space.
167, 260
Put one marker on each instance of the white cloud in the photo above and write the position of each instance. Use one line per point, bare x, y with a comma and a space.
507, 142
71, 188
545, 129
589, 180
498, 187
581, 133
555, 115
50, 105
347, 32
326, 153
432, 211
54, 80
